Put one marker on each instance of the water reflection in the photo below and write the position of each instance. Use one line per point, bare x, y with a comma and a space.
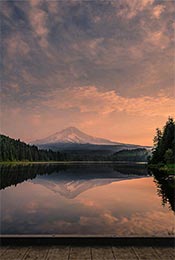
82, 199
71, 179
165, 188
15, 174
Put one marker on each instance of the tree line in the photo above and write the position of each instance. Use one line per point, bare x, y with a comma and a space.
164, 144
134, 155
15, 150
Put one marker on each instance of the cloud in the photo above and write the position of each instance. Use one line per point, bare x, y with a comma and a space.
14, 87
38, 20
53, 7
109, 218
7, 11
158, 10
145, 224
108, 55
15, 45
90, 99
156, 38
129, 9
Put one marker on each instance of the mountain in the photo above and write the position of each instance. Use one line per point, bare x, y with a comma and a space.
72, 135
83, 145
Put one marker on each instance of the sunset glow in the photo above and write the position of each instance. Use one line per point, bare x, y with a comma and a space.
105, 67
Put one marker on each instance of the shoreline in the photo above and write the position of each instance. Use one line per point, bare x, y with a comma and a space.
81, 240
168, 168
72, 162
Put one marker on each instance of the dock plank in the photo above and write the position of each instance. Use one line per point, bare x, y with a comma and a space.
65, 252
79, 253
58, 253
3, 249
102, 253
14, 253
166, 253
36, 253
146, 253
124, 253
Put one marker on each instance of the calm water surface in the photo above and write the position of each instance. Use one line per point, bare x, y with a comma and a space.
121, 200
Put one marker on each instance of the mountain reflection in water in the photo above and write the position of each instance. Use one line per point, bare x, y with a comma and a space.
15, 174
85, 198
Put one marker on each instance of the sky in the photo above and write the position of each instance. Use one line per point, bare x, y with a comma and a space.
105, 67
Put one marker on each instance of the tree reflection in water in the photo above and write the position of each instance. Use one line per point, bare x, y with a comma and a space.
165, 187
15, 174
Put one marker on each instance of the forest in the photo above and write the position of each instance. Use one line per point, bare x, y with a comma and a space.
164, 144
134, 155
15, 150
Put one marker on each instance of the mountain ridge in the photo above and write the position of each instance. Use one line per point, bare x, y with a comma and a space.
73, 135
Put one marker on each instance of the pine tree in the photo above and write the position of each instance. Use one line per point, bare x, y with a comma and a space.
15, 150
164, 144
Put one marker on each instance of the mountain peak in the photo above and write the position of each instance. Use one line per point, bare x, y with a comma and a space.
70, 129
73, 135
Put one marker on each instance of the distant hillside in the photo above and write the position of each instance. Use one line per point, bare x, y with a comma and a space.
135, 155
83, 148
15, 150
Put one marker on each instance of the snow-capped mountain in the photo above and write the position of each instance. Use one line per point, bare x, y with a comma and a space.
72, 135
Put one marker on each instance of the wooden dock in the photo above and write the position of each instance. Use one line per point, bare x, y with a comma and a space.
61, 252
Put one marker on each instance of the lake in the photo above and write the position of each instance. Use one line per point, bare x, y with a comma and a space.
86, 199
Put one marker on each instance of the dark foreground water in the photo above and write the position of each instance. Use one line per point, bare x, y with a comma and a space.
103, 199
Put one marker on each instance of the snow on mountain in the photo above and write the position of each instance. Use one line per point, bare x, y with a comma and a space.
74, 136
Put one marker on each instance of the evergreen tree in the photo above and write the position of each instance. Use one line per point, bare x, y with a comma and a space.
168, 156
164, 144
15, 150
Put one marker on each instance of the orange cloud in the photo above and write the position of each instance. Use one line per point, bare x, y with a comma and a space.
90, 99
158, 10
158, 39
131, 8
99, 113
